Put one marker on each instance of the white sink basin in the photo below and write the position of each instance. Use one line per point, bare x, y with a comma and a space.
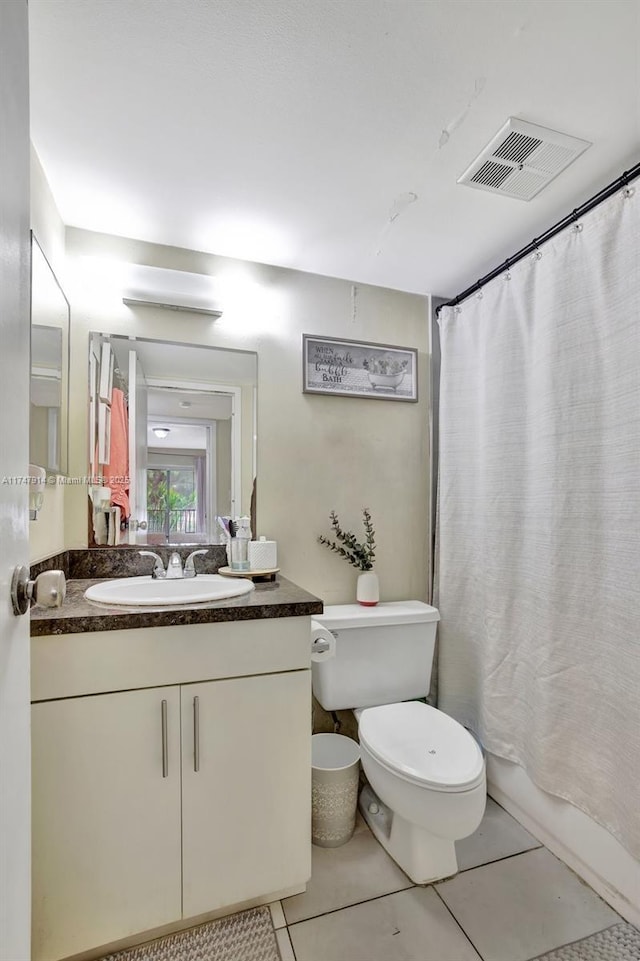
147, 592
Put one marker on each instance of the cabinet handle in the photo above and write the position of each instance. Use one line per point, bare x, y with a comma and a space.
165, 745
196, 734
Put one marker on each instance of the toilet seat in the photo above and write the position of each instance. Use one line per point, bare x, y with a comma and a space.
422, 745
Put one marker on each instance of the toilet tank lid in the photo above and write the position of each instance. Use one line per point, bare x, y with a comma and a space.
391, 612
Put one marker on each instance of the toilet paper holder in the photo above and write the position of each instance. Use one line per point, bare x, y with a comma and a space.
323, 642
320, 645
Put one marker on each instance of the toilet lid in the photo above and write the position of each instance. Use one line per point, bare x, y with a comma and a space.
423, 745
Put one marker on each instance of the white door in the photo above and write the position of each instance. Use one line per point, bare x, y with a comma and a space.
14, 453
137, 450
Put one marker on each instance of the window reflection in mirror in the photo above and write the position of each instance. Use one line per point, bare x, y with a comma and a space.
172, 440
48, 435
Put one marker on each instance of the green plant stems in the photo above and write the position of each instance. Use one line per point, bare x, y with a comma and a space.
359, 555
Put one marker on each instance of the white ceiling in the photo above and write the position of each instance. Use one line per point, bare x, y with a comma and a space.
165, 405
326, 135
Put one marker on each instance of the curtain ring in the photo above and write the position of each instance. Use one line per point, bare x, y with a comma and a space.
578, 228
479, 295
629, 192
537, 255
507, 276
458, 309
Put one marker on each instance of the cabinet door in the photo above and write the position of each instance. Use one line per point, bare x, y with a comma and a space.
246, 791
106, 819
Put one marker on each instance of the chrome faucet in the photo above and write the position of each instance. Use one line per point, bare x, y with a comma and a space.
158, 568
174, 567
189, 565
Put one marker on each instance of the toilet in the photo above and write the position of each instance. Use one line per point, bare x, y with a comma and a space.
426, 774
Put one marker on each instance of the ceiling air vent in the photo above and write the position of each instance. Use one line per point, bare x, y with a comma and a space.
522, 159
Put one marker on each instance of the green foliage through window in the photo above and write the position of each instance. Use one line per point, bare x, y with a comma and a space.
171, 500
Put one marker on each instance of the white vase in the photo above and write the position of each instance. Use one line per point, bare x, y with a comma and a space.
368, 589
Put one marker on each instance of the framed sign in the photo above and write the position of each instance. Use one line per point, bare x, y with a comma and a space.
350, 368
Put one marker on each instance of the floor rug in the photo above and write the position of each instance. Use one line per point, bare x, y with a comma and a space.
619, 943
248, 936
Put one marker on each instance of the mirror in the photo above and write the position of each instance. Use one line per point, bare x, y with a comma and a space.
172, 440
50, 317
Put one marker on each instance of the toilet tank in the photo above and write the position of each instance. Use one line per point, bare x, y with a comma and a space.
383, 654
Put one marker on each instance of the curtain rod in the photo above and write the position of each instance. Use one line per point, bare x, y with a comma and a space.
598, 198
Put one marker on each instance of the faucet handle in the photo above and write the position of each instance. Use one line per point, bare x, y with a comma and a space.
158, 567
189, 564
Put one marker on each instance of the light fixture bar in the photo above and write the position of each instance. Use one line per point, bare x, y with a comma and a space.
131, 302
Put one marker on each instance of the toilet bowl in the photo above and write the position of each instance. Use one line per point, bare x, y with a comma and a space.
428, 782
426, 774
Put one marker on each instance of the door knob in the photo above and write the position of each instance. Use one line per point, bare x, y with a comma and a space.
47, 590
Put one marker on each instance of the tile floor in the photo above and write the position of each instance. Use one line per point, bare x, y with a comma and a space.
512, 900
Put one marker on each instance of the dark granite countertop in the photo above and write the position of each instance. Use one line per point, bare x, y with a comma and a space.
277, 598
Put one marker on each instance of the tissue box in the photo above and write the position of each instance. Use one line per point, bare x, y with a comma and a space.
263, 555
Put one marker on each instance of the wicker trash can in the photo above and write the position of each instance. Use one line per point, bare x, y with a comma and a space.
335, 765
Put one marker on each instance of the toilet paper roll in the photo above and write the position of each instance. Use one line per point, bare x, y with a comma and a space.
263, 555
323, 643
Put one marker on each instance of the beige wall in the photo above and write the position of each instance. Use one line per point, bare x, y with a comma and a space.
315, 453
46, 534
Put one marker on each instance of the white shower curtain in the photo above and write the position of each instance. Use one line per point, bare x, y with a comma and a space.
538, 549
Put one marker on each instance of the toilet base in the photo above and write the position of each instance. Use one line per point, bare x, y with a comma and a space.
422, 856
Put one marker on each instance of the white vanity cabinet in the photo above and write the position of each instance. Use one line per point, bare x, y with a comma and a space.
173, 800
